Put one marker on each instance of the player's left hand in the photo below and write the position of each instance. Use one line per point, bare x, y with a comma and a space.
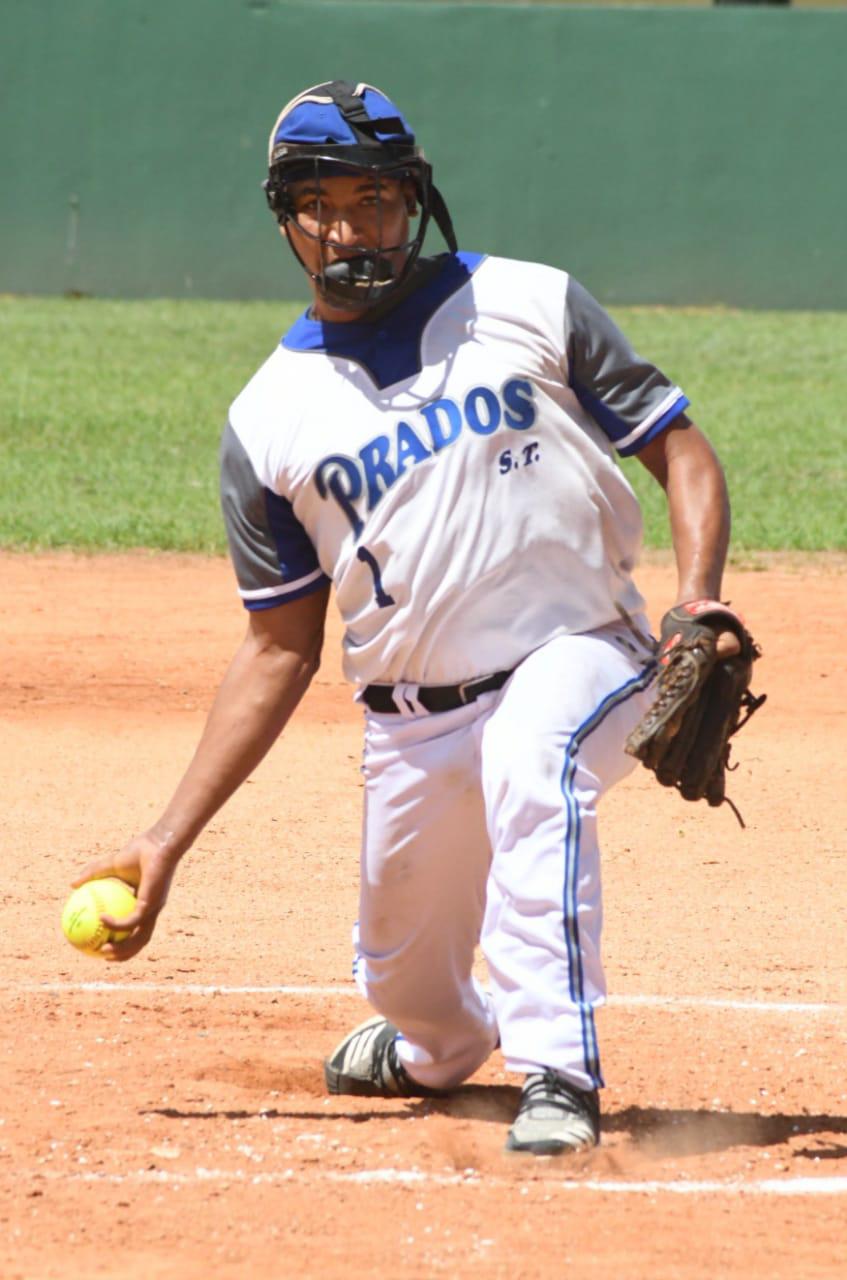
149, 868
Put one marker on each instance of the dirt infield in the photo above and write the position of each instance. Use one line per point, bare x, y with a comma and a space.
167, 1119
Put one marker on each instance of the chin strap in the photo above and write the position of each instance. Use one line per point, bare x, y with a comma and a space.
442, 217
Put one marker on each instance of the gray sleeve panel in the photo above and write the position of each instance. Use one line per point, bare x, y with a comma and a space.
271, 552
621, 391
251, 543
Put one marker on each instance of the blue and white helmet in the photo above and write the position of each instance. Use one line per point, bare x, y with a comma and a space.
337, 127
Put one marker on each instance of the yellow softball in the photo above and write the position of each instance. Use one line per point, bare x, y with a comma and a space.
81, 923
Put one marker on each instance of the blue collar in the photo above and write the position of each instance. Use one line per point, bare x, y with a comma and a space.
388, 348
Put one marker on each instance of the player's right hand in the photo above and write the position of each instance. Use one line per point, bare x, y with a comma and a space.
144, 864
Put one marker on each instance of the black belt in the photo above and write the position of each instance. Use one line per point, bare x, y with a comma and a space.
437, 697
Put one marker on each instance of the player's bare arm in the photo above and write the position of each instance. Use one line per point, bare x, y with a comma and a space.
263, 685
705, 653
686, 466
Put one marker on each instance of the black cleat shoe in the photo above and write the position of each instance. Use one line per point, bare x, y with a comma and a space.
554, 1117
366, 1064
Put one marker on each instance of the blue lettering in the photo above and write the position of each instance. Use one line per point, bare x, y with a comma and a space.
490, 421
341, 477
409, 447
374, 457
484, 411
518, 393
454, 422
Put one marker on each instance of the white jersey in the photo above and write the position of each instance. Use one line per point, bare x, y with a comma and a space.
450, 468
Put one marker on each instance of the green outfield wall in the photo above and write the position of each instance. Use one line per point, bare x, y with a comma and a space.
663, 156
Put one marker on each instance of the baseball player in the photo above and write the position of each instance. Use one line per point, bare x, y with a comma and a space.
436, 438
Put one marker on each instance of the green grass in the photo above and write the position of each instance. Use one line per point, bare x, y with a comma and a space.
770, 391
110, 414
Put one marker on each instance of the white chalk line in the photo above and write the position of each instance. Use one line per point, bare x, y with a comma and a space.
799, 1187
345, 992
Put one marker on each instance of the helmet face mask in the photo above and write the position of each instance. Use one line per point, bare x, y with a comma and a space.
338, 130
351, 277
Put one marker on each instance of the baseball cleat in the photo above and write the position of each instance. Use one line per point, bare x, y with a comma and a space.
366, 1064
554, 1117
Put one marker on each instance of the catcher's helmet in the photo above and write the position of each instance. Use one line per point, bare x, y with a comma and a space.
337, 127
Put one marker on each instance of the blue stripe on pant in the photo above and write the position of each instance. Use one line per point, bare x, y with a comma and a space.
572, 833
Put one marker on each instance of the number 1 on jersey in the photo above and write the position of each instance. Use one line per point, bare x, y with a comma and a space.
383, 599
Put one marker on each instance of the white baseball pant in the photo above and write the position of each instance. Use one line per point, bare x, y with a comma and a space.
480, 827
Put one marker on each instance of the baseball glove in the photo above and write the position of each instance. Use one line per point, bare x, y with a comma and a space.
701, 701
